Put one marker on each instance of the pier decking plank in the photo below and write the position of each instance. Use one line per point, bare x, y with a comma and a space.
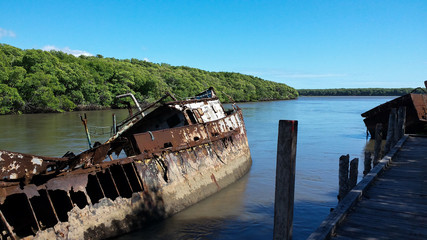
395, 206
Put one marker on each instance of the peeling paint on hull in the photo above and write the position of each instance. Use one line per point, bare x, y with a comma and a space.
190, 181
93, 196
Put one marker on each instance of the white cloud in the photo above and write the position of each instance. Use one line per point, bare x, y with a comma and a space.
146, 59
67, 50
6, 33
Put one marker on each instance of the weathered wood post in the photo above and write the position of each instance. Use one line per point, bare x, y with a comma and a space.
367, 163
343, 176
390, 135
354, 171
378, 140
401, 120
285, 180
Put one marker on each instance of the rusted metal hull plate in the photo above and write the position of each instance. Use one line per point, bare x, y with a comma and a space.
180, 138
416, 113
133, 191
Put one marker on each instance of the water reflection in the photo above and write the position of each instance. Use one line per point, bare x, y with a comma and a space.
52, 134
328, 127
203, 219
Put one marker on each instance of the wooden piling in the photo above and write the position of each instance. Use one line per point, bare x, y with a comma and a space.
378, 140
367, 163
285, 180
343, 176
401, 120
354, 171
390, 131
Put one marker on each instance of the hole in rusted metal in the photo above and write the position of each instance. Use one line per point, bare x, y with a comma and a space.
108, 185
61, 202
191, 116
79, 198
22, 221
121, 181
93, 189
133, 178
168, 144
196, 138
43, 210
173, 121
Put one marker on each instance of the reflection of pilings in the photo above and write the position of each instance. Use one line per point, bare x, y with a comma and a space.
9, 228
126, 176
114, 182
100, 186
32, 211
136, 174
51, 204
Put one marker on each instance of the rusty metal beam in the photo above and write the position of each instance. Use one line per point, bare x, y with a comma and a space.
136, 174
32, 211
51, 204
100, 186
127, 179
9, 228
71, 200
114, 182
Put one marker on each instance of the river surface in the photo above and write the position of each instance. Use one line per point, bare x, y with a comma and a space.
328, 127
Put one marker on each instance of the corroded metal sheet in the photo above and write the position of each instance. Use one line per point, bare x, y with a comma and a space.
187, 136
416, 113
19, 165
420, 104
47, 198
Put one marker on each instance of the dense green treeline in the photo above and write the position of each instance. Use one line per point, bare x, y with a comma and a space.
355, 92
40, 81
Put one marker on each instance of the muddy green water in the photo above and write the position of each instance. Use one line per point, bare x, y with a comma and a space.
328, 127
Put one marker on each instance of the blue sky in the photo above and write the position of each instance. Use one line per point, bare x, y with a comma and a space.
305, 44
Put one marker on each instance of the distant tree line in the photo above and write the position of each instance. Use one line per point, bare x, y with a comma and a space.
355, 92
40, 81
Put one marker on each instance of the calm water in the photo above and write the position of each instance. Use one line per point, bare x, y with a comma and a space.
328, 127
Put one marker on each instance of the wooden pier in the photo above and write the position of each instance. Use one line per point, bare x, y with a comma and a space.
390, 202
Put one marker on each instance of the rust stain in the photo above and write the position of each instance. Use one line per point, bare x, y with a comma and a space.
214, 180
38, 193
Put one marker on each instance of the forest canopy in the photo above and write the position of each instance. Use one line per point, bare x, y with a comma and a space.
355, 92
52, 81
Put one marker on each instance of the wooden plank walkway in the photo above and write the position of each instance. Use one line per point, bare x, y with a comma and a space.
393, 205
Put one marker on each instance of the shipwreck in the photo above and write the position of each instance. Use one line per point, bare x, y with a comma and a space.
416, 113
161, 159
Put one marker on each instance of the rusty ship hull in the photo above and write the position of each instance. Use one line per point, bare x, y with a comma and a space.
416, 114
93, 195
